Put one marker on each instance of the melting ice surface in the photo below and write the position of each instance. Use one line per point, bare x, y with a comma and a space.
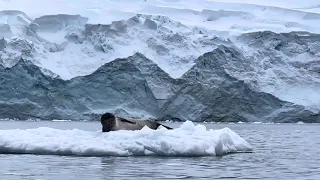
187, 140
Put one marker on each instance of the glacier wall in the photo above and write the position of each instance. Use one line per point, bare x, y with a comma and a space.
61, 67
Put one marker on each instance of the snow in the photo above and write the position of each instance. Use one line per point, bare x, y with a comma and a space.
276, 3
283, 80
75, 60
307, 96
264, 14
223, 18
187, 140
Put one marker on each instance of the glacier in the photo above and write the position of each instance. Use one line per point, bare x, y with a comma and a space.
183, 60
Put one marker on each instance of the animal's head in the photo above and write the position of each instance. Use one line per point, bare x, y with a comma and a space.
108, 121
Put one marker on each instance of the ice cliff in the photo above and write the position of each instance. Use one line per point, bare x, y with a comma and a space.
150, 66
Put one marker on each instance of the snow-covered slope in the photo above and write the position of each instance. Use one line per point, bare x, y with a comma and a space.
75, 39
72, 49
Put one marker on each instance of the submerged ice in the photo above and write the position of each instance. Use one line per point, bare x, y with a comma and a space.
187, 140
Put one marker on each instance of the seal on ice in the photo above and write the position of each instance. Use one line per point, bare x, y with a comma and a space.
112, 123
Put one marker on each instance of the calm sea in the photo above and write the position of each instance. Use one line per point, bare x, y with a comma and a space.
281, 151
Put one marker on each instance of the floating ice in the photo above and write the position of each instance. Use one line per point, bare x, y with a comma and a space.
187, 140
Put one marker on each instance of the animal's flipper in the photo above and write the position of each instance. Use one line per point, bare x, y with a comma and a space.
126, 120
165, 126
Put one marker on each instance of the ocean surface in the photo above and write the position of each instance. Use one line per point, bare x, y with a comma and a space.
280, 151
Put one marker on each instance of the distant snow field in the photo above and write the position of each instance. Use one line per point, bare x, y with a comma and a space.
233, 16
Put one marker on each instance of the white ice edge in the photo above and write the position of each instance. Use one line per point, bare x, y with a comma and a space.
187, 140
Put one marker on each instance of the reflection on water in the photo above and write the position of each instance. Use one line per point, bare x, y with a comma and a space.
158, 167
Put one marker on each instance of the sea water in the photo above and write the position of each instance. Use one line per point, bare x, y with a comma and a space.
78, 150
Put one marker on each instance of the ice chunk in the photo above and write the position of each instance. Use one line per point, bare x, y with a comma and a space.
188, 140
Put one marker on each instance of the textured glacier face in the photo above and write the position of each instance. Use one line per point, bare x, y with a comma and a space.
170, 44
61, 67
210, 92
161, 84
55, 23
285, 65
125, 86
13, 22
69, 47
117, 86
